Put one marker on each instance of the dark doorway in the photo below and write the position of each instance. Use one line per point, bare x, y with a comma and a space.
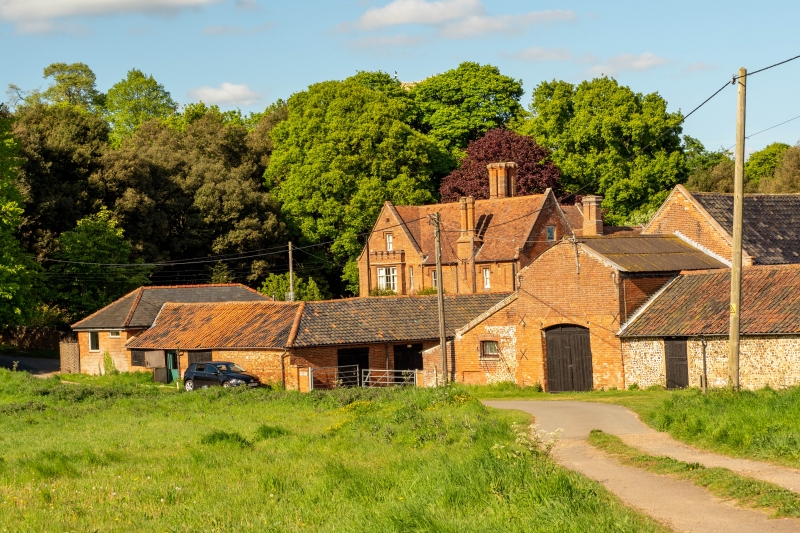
354, 356
569, 359
677, 363
408, 357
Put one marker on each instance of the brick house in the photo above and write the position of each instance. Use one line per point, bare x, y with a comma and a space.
110, 328
771, 229
664, 343
485, 243
282, 341
559, 329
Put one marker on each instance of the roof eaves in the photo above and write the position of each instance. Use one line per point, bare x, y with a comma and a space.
702, 248
76, 324
486, 314
645, 306
602, 258
296, 324
134, 305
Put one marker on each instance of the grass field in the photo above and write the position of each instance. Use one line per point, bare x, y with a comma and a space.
763, 424
120, 454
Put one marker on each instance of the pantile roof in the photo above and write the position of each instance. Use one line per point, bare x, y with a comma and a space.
139, 308
650, 253
771, 224
187, 326
699, 303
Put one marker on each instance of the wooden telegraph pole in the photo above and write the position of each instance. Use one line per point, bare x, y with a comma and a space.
440, 295
736, 259
291, 273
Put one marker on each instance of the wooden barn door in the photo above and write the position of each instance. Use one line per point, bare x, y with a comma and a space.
677, 363
569, 359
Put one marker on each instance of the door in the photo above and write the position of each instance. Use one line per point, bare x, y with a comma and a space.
677, 363
354, 356
172, 365
408, 357
569, 359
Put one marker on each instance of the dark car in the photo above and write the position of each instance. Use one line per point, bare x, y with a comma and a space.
221, 374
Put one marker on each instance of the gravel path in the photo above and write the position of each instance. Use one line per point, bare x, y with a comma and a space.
676, 503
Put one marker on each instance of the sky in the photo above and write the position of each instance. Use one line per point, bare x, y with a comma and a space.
248, 53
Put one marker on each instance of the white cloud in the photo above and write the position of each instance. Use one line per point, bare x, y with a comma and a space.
33, 16
418, 12
699, 66
539, 53
226, 94
236, 30
628, 62
477, 25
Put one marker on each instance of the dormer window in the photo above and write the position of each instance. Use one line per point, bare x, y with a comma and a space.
389, 242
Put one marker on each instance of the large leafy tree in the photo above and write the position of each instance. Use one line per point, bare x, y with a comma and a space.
535, 171
344, 150
609, 140
786, 178
73, 84
762, 164
79, 281
462, 104
135, 100
15, 268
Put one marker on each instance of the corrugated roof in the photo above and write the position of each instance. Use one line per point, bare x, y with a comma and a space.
390, 319
771, 228
698, 304
187, 326
139, 308
650, 253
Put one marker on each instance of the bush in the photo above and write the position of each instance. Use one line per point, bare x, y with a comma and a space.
109, 366
265, 432
382, 292
223, 437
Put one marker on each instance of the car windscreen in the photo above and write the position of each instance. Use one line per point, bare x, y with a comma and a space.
229, 368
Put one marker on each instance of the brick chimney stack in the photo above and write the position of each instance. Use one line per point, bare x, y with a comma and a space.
592, 215
463, 208
466, 245
502, 180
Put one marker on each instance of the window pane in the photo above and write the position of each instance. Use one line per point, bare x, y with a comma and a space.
411, 278
382, 278
94, 341
113, 334
391, 279
389, 242
551, 233
489, 348
487, 278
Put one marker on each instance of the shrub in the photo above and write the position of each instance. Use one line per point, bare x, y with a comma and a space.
382, 292
109, 366
265, 432
223, 437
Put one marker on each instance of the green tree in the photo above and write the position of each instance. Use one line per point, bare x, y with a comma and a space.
786, 178
80, 280
73, 84
762, 164
709, 171
135, 100
15, 267
609, 140
305, 289
462, 104
343, 151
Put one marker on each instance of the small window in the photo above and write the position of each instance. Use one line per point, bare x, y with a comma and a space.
487, 278
434, 283
389, 242
137, 357
94, 341
113, 334
490, 350
411, 278
551, 233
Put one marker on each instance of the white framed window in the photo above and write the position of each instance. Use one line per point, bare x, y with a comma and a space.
487, 278
411, 278
434, 283
387, 278
389, 242
113, 334
551, 233
490, 350
94, 341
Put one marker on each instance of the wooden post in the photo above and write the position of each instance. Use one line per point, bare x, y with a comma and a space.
736, 259
440, 295
291, 272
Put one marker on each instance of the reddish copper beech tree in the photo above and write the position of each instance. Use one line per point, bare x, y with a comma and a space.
535, 172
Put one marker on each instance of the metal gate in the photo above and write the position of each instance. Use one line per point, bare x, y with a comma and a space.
333, 377
677, 363
569, 359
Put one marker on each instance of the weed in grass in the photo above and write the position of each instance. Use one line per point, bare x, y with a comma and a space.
223, 437
720, 481
265, 431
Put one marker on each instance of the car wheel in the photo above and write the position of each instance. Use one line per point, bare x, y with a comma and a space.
227, 385
189, 385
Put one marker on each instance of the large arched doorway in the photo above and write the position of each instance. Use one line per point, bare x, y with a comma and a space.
569, 359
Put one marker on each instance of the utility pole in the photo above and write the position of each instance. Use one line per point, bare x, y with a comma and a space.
291, 273
440, 295
736, 259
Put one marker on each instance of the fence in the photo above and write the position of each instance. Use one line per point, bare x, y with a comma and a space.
388, 378
333, 377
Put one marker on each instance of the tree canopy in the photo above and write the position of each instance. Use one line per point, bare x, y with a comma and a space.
133, 101
535, 171
607, 139
786, 178
73, 84
763, 163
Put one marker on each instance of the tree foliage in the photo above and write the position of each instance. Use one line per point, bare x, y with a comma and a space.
462, 104
535, 172
763, 163
73, 84
305, 289
133, 101
786, 178
608, 140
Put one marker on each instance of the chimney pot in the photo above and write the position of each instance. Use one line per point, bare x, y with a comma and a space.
592, 215
502, 179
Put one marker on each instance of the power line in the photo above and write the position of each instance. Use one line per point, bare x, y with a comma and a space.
763, 69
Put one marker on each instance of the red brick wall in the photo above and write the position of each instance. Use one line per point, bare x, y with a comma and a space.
636, 291
266, 364
92, 362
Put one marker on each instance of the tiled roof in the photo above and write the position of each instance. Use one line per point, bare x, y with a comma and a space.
574, 216
186, 326
139, 308
390, 319
504, 224
650, 253
771, 224
698, 304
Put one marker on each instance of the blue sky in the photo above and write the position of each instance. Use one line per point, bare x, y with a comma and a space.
247, 53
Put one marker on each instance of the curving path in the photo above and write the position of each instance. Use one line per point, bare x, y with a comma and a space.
676, 503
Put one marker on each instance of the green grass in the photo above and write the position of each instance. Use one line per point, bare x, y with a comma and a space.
118, 454
721, 482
